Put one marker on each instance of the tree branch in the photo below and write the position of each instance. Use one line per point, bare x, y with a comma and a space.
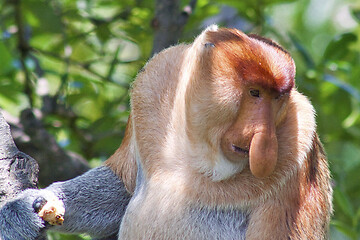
24, 48
18, 171
84, 65
48, 153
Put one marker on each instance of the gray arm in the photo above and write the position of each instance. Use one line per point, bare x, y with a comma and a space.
94, 204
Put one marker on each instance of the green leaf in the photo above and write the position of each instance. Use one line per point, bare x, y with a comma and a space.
356, 14
338, 48
303, 51
41, 15
343, 201
103, 32
342, 227
5, 60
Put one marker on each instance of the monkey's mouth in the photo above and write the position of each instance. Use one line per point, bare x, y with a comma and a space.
239, 150
233, 152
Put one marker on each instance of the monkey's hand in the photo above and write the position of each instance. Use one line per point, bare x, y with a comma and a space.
51, 210
94, 202
20, 218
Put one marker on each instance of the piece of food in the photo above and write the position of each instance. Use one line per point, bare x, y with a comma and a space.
51, 211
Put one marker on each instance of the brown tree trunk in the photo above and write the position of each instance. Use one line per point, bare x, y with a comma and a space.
169, 22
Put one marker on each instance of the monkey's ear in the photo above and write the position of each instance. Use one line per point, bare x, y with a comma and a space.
202, 39
209, 45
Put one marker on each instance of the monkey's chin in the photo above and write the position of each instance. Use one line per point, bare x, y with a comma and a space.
225, 169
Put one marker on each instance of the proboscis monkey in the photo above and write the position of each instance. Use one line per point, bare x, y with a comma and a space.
219, 145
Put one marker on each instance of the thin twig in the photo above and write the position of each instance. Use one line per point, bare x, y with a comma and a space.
67, 51
113, 63
84, 65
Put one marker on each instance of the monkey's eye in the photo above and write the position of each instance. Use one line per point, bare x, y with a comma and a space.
254, 93
280, 96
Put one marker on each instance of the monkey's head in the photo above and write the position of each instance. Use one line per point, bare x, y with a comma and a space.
237, 99
224, 107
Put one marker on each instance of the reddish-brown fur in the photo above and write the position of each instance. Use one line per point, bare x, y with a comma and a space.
126, 168
253, 66
190, 106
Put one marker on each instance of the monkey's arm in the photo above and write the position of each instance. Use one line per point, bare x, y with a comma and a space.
94, 204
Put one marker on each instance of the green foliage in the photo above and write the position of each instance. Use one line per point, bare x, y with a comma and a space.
84, 54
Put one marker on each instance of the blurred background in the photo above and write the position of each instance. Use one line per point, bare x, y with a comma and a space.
66, 67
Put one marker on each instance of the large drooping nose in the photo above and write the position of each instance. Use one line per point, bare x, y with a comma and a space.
263, 153
253, 135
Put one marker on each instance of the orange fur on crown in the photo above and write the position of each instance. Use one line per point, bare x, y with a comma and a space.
183, 103
230, 51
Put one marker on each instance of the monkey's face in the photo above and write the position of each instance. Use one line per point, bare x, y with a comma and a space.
252, 136
242, 92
